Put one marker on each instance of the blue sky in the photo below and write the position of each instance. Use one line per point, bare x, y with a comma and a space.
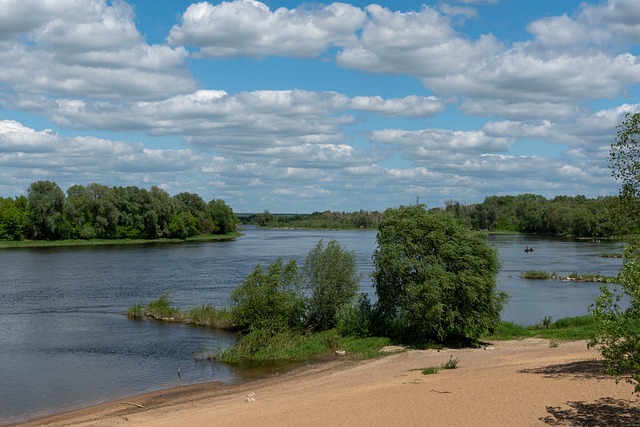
303, 107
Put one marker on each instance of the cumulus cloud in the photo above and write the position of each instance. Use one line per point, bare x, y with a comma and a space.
250, 28
86, 48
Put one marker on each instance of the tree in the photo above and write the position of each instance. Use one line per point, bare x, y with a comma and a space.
434, 277
270, 300
46, 203
13, 218
223, 219
331, 275
624, 161
617, 334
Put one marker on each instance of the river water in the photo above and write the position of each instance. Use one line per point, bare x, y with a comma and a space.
65, 343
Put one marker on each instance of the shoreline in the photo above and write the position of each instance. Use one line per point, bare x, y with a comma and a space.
524, 382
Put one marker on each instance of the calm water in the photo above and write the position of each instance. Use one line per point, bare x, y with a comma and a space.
64, 342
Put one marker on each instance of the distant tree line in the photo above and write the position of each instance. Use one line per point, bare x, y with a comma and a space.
317, 220
576, 216
99, 212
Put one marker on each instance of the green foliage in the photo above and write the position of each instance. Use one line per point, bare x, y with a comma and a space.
434, 277
100, 212
451, 363
537, 275
14, 218
271, 300
135, 312
318, 220
568, 328
355, 319
430, 370
161, 308
331, 275
207, 315
261, 346
45, 204
617, 333
624, 161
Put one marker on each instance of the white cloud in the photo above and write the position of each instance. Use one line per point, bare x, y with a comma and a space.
419, 43
250, 28
85, 48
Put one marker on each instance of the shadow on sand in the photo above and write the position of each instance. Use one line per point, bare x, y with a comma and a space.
602, 412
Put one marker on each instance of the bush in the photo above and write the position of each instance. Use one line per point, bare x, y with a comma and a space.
331, 275
355, 320
271, 301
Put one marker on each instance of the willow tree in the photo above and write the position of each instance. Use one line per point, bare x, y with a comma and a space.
435, 278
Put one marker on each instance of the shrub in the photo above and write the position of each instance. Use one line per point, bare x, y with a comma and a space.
270, 300
355, 320
161, 307
331, 275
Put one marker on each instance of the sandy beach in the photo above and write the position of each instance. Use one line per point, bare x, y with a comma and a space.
509, 383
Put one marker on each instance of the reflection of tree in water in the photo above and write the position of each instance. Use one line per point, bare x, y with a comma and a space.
603, 412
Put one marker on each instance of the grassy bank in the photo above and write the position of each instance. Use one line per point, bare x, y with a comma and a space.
572, 277
568, 328
163, 310
11, 244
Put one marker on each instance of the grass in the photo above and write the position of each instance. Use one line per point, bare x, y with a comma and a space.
204, 315
566, 329
261, 346
573, 277
430, 370
537, 275
11, 244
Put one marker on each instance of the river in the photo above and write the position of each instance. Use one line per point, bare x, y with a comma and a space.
65, 343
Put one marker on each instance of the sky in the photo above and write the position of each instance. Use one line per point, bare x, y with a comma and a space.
297, 107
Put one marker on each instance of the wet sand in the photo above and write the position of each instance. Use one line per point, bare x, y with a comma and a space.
506, 383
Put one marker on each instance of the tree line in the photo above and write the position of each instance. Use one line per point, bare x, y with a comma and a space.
576, 216
318, 220
99, 212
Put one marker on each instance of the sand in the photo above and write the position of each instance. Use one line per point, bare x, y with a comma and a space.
512, 383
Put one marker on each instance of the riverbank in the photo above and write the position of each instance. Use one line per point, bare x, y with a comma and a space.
16, 244
505, 383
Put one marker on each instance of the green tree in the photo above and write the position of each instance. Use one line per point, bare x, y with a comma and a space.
13, 218
624, 161
270, 300
46, 204
434, 277
618, 330
331, 275
222, 217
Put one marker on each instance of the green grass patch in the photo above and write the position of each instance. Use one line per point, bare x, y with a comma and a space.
572, 277
261, 346
537, 275
429, 371
135, 312
204, 315
565, 329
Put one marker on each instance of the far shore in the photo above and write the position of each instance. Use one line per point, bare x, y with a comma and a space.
504, 383
16, 244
